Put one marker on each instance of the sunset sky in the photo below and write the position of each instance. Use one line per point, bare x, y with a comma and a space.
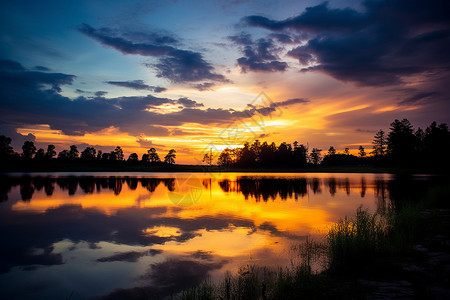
198, 75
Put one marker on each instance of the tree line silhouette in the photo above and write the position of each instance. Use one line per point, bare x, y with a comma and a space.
401, 146
89, 154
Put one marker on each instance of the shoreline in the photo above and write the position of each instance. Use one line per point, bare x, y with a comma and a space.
123, 167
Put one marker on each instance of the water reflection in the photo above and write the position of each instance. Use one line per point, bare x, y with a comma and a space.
257, 188
127, 232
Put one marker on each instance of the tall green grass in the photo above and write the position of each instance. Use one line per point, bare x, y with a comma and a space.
354, 241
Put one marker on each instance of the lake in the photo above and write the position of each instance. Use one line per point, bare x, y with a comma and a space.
87, 235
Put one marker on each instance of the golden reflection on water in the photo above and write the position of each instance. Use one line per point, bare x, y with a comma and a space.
221, 220
195, 196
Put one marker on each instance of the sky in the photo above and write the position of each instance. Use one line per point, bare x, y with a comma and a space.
201, 75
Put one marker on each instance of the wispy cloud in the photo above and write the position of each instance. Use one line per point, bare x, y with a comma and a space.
137, 85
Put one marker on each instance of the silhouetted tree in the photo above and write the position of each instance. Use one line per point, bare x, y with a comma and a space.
170, 157
73, 152
331, 151
208, 158
106, 156
88, 153
401, 143
245, 156
40, 154
379, 143
63, 155
347, 151
226, 158
267, 154
315, 156
145, 158
153, 155
300, 155
362, 152
117, 154
50, 152
28, 150
99, 154
436, 140
6, 151
133, 158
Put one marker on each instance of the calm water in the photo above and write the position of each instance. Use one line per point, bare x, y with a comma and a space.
92, 234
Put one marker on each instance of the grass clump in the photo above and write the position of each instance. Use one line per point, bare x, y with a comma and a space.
353, 242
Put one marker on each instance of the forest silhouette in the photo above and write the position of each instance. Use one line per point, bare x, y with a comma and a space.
402, 146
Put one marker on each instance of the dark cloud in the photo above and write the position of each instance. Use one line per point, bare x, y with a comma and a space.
10, 65
317, 18
183, 66
131, 256
418, 97
189, 103
78, 91
259, 56
41, 68
381, 45
14, 73
100, 93
282, 38
147, 144
365, 130
159, 89
267, 110
203, 255
291, 101
137, 85
243, 38
206, 86
174, 64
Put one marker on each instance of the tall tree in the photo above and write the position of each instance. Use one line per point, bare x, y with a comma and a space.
301, 155
379, 143
401, 142
145, 158
73, 152
63, 155
208, 158
40, 154
50, 152
5, 148
436, 140
28, 150
88, 153
170, 157
227, 157
133, 158
315, 156
117, 153
331, 151
153, 156
362, 152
